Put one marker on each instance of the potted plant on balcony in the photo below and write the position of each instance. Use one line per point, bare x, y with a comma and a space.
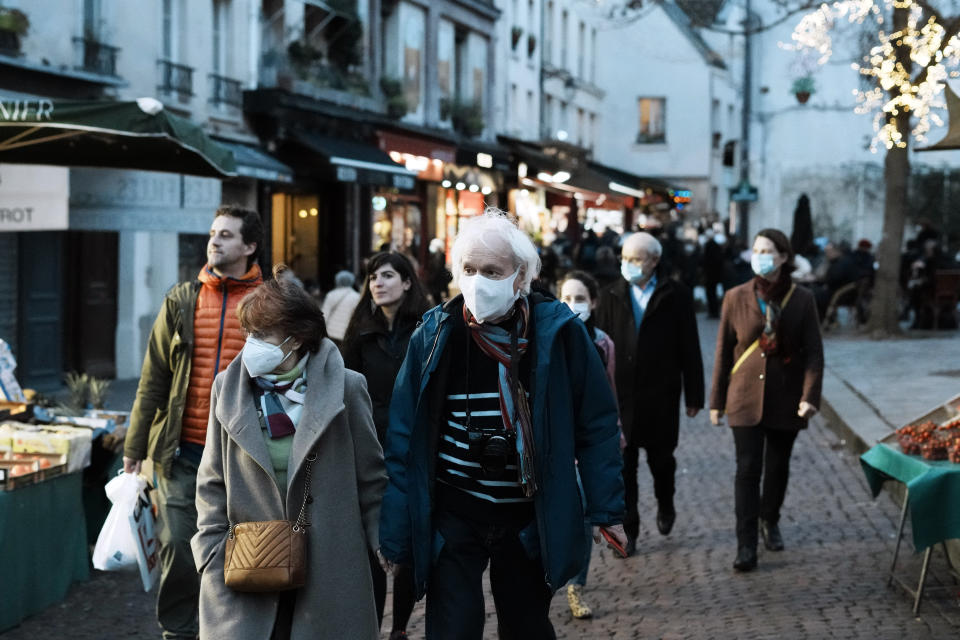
515, 34
393, 93
14, 24
803, 87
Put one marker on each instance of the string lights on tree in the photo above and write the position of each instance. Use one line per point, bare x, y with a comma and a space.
930, 43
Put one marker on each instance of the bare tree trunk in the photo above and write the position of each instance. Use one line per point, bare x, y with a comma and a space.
884, 308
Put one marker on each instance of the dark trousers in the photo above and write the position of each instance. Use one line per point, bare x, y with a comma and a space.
404, 593
713, 302
178, 594
765, 452
663, 467
455, 608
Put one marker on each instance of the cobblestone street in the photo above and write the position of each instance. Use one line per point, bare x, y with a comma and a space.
830, 582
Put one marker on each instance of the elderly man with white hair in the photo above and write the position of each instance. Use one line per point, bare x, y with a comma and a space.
502, 441
654, 330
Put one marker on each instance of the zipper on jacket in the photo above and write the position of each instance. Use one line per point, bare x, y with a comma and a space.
223, 318
436, 339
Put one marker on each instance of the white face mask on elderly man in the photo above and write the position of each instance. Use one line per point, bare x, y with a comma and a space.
488, 299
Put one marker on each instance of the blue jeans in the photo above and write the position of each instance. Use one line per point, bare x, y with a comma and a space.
455, 609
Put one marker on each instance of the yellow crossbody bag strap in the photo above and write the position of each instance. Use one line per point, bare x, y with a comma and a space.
753, 347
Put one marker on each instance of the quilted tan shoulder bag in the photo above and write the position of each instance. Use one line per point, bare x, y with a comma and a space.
269, 555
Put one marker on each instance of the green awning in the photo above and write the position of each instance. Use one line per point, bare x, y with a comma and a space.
253, 162
952, 139
140, 134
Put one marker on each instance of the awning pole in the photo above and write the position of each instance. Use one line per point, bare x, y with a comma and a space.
6, 146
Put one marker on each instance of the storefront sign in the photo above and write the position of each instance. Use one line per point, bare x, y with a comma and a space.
26, 110
33, 197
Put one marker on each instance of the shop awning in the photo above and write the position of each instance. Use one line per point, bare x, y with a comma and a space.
619, 181
952, 139
140, 134
252, 162
474, 153
357, 162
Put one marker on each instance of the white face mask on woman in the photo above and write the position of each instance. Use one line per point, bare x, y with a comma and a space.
260, 357
582, 309
488, 299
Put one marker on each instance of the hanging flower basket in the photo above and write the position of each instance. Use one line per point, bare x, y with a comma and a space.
803, 88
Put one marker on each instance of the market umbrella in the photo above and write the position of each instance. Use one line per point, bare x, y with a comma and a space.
802, 236
140, 134
952, 139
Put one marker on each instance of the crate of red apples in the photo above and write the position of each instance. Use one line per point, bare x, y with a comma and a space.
932, 441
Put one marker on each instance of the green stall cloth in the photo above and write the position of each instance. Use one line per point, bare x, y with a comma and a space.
934, 487
43, 546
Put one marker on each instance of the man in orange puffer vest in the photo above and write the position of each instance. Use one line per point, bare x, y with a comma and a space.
195, 336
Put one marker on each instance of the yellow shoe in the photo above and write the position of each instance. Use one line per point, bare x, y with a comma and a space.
578, 608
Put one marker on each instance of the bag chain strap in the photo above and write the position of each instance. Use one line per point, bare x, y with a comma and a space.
302, 522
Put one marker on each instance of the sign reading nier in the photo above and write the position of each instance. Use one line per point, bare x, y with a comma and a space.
33, 197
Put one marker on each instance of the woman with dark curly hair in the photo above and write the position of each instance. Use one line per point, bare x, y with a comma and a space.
291, 431
767, 376
375, 344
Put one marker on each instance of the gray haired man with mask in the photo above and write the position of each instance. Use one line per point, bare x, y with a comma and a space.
500, 413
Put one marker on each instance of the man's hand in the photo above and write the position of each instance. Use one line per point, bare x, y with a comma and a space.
388, 567
131, 466
806, 410
692, 411
716, 417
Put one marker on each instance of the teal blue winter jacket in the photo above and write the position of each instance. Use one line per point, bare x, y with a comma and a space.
574, 418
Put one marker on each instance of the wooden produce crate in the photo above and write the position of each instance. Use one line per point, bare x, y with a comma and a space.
18, 473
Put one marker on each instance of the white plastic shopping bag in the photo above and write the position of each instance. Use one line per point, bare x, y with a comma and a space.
127, 540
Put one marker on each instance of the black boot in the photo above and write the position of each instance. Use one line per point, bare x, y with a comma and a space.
772, 539
746, 559
666, 516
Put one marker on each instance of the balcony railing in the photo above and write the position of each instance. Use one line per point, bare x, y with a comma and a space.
225, 91
97, 57
175, 78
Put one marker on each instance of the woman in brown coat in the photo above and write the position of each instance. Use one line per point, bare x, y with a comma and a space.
767, 376
286, 400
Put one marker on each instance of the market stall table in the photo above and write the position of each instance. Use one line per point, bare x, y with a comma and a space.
43, 546
932, 495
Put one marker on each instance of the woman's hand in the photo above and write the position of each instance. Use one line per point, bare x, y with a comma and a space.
806, 410
716, 417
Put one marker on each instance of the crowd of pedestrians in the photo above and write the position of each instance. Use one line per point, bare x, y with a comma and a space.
484, 413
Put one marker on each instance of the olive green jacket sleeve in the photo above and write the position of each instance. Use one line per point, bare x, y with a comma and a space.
163, 378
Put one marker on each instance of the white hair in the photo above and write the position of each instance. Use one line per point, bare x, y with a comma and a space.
647, 242
496, 222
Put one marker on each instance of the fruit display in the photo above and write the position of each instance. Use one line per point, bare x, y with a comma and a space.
930, 440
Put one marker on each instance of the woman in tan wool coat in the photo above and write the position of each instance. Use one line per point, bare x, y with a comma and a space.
287, 395
767, 376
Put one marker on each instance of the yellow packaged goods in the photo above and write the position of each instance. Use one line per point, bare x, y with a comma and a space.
75, 443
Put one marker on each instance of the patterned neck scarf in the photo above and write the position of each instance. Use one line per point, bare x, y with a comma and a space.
770, 296
280, 399
507, 347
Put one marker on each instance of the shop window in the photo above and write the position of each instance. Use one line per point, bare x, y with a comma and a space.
652, 129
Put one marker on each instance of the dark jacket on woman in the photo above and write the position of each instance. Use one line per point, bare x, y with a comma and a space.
377, 353
655, 363
767, 389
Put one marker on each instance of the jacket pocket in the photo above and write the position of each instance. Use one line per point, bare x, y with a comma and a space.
529, 538
437, 547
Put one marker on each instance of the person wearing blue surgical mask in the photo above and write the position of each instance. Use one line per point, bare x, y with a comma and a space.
651, 319
579, 291
766, 381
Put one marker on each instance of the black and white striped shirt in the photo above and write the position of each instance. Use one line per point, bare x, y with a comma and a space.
458, 468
